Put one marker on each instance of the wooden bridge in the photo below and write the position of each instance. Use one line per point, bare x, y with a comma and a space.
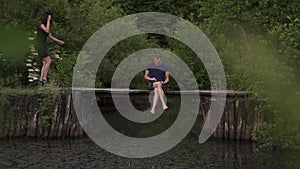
21, 115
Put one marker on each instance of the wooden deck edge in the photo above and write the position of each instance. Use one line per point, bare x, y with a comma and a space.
184, 92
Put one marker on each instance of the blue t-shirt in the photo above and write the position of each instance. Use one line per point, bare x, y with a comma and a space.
157, 72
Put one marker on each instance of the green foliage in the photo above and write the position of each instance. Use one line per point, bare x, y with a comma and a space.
287, 37
176, 7
63, 69
116, 55
17, 13
83, 19
46, 107
253, 63
280, 133
193, 61
12, 54
259, 47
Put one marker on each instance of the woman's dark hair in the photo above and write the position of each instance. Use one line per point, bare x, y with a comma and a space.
44, 17
36, 9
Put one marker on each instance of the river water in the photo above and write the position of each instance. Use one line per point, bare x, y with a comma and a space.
84, 153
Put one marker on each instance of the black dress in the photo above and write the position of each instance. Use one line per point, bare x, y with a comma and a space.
41, 41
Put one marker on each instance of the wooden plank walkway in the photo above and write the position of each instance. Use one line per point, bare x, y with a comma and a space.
184, 92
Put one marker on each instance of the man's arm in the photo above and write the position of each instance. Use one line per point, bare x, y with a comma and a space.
146, 76
167, 74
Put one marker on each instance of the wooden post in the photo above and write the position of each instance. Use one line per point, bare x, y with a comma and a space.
244, 118
32, 116
231, 120
53, 129
18, 115
248, 120
226, 120
67, 115
239, 114
221, 127
23, 125
13, 113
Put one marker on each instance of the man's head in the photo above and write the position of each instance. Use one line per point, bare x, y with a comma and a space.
158, 59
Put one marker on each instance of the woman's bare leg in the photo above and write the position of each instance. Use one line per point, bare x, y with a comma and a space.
46, 67
42, 70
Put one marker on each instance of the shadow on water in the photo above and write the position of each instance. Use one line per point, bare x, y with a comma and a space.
189, 154
140, 130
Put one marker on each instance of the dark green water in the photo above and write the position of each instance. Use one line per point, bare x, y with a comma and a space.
83, 153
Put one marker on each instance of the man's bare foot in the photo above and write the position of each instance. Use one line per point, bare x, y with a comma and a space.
165, 107
152, 111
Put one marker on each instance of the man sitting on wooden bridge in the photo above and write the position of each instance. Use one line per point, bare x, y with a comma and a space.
157, 75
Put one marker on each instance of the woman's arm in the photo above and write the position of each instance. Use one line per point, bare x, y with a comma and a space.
146, 76
55, 39
47, 27
167, 74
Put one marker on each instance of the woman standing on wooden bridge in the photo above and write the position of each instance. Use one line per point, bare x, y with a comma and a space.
157, 75
43, 33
